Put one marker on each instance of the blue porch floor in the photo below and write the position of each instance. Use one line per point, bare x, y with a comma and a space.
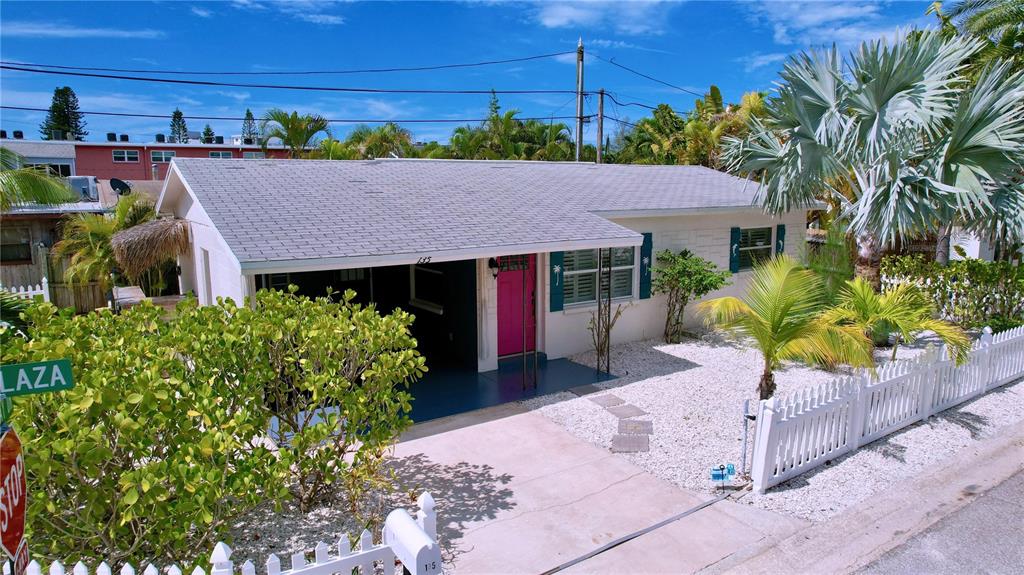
444, 392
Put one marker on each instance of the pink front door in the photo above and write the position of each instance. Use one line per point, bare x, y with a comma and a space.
517, 281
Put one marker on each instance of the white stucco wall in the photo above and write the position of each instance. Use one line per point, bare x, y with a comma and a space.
225, 277
565, 332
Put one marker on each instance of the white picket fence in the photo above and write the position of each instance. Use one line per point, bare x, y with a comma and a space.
410, 541
801, 431
30, 291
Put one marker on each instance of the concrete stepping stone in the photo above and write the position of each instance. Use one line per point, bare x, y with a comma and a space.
630, 443
607, 400
625, 411
586, 389
635, 427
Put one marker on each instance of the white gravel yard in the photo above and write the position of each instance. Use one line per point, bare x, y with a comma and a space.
694, 392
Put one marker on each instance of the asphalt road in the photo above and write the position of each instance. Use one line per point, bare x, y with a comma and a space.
986, 536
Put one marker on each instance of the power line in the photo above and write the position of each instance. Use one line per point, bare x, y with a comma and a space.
614, 119
333, 121
279, 86
294, 72
651, 78
609, 94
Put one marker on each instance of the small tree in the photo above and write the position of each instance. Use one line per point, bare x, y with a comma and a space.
684, 277
208, 134
179, 130
249, 125
63, 116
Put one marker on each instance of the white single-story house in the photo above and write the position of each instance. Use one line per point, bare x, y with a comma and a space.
495, 258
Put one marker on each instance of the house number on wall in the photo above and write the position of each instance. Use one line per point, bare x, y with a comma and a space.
423, 260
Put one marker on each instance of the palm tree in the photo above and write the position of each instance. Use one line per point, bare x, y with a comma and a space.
894, 141
781, 312
988, 17
388, 140
902, 309
331, 149
20, 185
295, 132
468, 142
86, 240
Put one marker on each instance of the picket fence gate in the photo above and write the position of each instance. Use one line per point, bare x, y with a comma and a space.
800, 431
410, 541
30, 291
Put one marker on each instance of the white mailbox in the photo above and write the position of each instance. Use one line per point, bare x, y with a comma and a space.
420, 554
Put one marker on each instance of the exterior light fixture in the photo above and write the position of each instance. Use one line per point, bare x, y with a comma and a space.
492, 264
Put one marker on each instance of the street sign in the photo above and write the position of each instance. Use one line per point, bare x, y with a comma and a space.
21, 559
38, 377
13, 493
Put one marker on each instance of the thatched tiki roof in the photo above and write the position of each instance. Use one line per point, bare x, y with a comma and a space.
141, 247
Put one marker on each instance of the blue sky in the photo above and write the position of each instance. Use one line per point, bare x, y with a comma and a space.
738, 45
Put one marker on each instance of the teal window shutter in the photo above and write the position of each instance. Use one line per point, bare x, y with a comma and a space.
734, 250
556, 262
780, 238
646, 262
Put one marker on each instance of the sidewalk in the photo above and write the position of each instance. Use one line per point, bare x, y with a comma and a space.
516, 493
862, 534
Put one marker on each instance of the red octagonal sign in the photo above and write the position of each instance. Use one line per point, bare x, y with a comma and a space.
12, 493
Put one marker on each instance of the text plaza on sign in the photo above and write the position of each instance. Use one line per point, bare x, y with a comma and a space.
25, 378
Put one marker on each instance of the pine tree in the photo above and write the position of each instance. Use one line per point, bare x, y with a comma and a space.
249, 125
63, 116
208, 135
493, 107
179, 130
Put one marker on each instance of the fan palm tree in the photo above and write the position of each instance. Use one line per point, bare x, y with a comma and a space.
895, 141
781, 312
20, 185
902, 309
295, 132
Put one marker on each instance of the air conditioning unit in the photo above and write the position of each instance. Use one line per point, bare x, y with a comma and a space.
124, 137
86, 186
160, 138
19, 135
218, 139
111, 137
3, 134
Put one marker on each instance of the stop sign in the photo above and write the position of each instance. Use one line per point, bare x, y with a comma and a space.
12, 493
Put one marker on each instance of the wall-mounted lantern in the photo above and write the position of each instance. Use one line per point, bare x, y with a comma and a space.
492, 264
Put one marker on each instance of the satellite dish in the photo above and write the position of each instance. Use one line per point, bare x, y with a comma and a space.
122, 187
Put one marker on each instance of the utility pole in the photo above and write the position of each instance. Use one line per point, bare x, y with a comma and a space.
579, 99
600, 125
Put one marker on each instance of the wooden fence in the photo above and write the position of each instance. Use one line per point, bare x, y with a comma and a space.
801, 431
412, 542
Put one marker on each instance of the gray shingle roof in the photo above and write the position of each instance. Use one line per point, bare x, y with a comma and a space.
281, 210
41, 148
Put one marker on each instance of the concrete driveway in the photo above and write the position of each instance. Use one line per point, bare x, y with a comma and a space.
516, 493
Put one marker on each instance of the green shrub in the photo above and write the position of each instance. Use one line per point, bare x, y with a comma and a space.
971, 292
337, 375
163, 440
684, 277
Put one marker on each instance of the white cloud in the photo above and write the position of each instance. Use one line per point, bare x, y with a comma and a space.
238, 96
201, 12
817, 23
55, 30
630, 18
312, 11
758, 60
618, 45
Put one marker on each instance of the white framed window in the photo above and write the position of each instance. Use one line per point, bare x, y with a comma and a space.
579, 273
755, 245
62, 170
427, 288
15, 244
221, 154
126, 156
253, 155
161, 156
